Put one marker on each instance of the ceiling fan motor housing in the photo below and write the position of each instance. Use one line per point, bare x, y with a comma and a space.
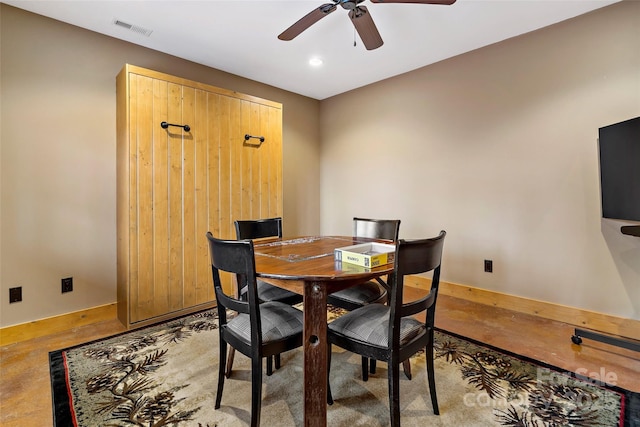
349, 4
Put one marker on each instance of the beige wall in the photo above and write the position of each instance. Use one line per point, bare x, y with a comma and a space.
499, 148
58, 160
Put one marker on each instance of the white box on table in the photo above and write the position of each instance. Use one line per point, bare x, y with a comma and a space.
367, 254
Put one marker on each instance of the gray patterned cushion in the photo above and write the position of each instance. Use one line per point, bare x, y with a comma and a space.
278, 321
267, 292
364, 293
370, 324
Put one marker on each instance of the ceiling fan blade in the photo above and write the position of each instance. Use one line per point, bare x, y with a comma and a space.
306, 21
445, 2
365, 27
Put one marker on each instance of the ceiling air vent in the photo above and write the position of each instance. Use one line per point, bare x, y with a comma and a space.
131, 27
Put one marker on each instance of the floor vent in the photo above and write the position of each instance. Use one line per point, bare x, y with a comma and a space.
131, 27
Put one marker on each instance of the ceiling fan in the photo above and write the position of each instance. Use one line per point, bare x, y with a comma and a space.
359, 15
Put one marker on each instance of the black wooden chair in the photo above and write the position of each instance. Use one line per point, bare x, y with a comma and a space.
260, 229
369, 292
260, 329
391, 333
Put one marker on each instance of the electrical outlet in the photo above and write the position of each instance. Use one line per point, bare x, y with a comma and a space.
15, 294
488, 266
67, 284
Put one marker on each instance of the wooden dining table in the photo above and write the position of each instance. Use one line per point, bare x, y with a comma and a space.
306, 265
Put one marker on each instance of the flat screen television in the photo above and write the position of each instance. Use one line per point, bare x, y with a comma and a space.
619, 146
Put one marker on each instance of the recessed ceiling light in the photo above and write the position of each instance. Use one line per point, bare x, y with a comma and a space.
315, 62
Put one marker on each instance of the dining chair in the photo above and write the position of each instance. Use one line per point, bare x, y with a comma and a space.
392, 333
371, 291
260, 329
260, 229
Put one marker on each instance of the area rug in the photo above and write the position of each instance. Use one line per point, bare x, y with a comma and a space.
166, 375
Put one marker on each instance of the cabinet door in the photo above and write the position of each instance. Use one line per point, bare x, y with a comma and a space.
245, 175
157, 209
185, 183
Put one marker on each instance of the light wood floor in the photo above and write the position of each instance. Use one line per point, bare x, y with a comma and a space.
25, 390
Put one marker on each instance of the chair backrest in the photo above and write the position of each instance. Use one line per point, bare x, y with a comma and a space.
414, 257
387, 229
258, 228
236, 257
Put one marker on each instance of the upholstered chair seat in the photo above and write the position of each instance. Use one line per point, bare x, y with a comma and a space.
370, 324
357, 296
267, 292
279, 322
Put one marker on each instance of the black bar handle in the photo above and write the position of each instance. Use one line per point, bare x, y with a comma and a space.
165, 125
247, 137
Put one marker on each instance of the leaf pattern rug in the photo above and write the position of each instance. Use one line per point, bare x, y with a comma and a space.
166, 375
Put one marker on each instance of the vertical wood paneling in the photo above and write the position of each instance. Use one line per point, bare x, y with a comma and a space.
214, 190
235, 177
189, 198
277, 194
226, 167
204, 292
160, 199
245, 198
273, 157
174, 115
183, 184
144, 191
132, 201
224, 173
123, 191
266, 161
254, 151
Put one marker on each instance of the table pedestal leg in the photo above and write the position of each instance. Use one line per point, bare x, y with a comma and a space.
315, 354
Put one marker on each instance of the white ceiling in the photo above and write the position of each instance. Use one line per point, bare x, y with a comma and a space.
240, 36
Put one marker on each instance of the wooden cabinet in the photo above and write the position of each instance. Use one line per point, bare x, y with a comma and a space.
174, 185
